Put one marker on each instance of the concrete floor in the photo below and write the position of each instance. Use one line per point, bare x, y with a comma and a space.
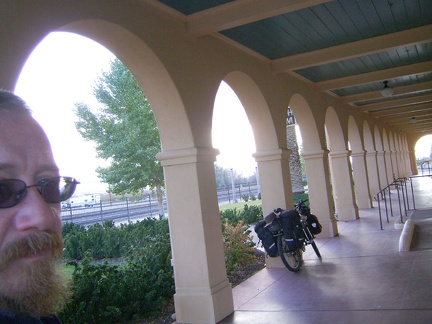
362, 277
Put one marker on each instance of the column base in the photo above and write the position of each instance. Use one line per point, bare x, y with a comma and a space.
347, 213
329, 229
203, 305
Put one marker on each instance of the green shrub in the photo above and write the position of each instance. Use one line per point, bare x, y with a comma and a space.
141, 285
109, 241
72, 236
249, 215
238, 245
120, 293
113, 293
230, 215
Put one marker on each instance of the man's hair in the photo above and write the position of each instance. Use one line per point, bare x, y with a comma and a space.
11, 102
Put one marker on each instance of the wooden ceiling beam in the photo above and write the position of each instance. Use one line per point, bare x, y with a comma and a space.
385, 105
354, 49
407, 118
376, 76
401, 110
237, 13
412, 88
408, 126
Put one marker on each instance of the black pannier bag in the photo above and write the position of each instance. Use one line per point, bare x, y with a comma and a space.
268, 241
313, 224
292, 229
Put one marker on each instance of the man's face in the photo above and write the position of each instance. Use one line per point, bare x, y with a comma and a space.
25, 154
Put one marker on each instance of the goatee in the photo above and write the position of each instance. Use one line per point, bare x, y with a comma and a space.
42, 289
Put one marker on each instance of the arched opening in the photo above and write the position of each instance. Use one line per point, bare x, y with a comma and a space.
235, 168
271, 159
423, 153
60, 72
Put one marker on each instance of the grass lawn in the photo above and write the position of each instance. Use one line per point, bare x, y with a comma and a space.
257, 202
67, 269
240, 205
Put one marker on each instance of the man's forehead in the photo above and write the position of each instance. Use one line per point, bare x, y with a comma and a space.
22, 141
18, 123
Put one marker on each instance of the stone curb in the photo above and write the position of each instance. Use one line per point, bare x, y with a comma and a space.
406, 236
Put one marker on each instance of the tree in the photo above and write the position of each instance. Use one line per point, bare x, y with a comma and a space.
295, 159
224, 177
125, 133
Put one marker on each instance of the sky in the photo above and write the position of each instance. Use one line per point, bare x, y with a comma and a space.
62, 70
423, 147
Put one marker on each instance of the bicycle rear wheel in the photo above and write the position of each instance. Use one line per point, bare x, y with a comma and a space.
317, 252
291, 259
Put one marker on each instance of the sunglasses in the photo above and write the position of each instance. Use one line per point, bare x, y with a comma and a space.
53, 190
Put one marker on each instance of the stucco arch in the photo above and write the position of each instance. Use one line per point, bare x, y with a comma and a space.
394, 154
379, 145
400, 156
391, 140
354, 136
306, 121
378, 139
368, 138
151, 74
256, 109
358, 162
316, 161
272, 157
371, 159
335, 136
387, 155
385, 140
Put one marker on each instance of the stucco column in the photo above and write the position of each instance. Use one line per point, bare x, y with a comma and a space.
372, 170
413, 162
395, 163
203, 293
320, 198
401, 163
407, 164
275, 179
389, 167
382, 170
361, 181
343, 186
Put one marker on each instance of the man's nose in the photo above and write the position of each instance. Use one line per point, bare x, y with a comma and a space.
35, 213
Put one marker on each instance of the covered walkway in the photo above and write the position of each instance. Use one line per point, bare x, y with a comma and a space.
362, 277
355, 138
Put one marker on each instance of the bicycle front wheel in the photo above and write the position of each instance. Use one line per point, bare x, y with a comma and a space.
291, 259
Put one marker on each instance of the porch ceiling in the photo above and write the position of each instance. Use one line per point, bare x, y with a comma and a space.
344, 47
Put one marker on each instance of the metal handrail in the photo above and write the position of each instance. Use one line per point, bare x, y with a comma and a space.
400, 185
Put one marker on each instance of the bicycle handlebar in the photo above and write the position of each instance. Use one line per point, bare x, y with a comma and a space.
300, 202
